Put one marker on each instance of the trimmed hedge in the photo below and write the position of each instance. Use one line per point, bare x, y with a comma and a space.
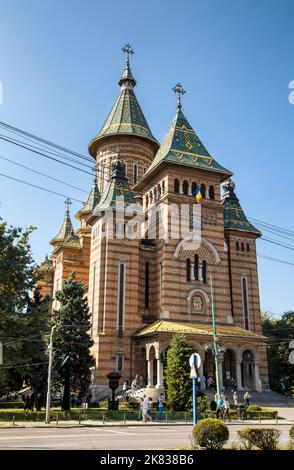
264, 414
211, 433
262, 438
291, 432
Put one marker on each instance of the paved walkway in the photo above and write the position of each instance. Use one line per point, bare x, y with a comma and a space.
286, 417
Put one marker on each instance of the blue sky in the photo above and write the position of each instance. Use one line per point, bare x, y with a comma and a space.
60, 62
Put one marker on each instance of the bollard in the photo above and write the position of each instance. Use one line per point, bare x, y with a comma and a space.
13, 421
124, 418
166, 417
185, 417
103, 418
259, 418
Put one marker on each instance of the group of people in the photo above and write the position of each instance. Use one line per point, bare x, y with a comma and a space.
146, 408
223, 405
32, 401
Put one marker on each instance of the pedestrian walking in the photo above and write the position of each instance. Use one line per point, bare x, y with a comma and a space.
140, 414
219, 407
225, 408
160, 406
145, 407
150, 407
247, 397
235, 398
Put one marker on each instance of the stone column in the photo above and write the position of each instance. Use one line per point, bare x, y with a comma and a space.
207, 192
200, 278
239, 375
159, 373
256, 376
190, 188
150, 373
181, 187
192, 272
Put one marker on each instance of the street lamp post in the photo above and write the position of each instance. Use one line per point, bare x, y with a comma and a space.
48, 401
215, 341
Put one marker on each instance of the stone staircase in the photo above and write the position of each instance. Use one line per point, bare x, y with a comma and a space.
268, 398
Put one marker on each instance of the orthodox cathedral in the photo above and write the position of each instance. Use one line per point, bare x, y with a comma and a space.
142, 290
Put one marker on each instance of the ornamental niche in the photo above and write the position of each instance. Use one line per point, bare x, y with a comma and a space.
197, 304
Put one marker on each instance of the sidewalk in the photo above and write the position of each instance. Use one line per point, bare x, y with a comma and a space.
94, 423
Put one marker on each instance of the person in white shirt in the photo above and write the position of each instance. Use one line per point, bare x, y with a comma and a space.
145, 408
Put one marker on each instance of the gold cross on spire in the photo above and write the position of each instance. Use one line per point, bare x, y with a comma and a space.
179, 90
67, 203
128, 50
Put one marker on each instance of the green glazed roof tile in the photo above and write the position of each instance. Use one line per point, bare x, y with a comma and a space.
234, 216
182, 146
92, 201
126, 116
65, 230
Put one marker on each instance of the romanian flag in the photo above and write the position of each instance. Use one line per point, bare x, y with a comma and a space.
198, 195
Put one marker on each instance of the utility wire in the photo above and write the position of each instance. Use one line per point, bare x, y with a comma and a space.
43, 174
39, 187
275, 259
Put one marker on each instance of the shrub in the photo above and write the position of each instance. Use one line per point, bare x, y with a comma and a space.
263, 438
254, 408
211, 433
291, 432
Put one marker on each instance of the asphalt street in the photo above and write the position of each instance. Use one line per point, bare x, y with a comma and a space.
116, 437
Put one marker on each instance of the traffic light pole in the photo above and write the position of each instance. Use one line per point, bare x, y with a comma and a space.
215, 341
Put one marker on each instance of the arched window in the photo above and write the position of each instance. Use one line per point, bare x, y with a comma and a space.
247, 246
159, 190
237, 246
188, 269
163, 187
204, 271
147, 200
135, 172
176, 186
211, 192
242, 247
202, 190
194, 186
185, 187
196, 264
147, 284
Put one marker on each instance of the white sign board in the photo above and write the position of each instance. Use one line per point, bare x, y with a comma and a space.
195, 360
193, 373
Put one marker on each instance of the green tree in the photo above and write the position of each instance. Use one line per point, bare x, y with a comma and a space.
72, 342
280, 333
34, 350
16, 281
177, 374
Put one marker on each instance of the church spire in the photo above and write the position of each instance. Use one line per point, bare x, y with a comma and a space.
126, 116
127, 79
66, 227
92, 201
179, 90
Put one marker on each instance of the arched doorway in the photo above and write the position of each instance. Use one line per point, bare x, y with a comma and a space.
229, 368
152, 367
247, 369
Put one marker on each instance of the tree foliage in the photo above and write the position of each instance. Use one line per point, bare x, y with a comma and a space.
72, 342
16, 281
177, 374
280, 333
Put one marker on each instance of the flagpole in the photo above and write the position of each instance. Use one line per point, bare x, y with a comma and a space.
215, 340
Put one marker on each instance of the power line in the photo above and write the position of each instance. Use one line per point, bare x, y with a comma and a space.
32, 138
275, 259
15, 366
281, 229
276, 242
40, 187
43, 174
